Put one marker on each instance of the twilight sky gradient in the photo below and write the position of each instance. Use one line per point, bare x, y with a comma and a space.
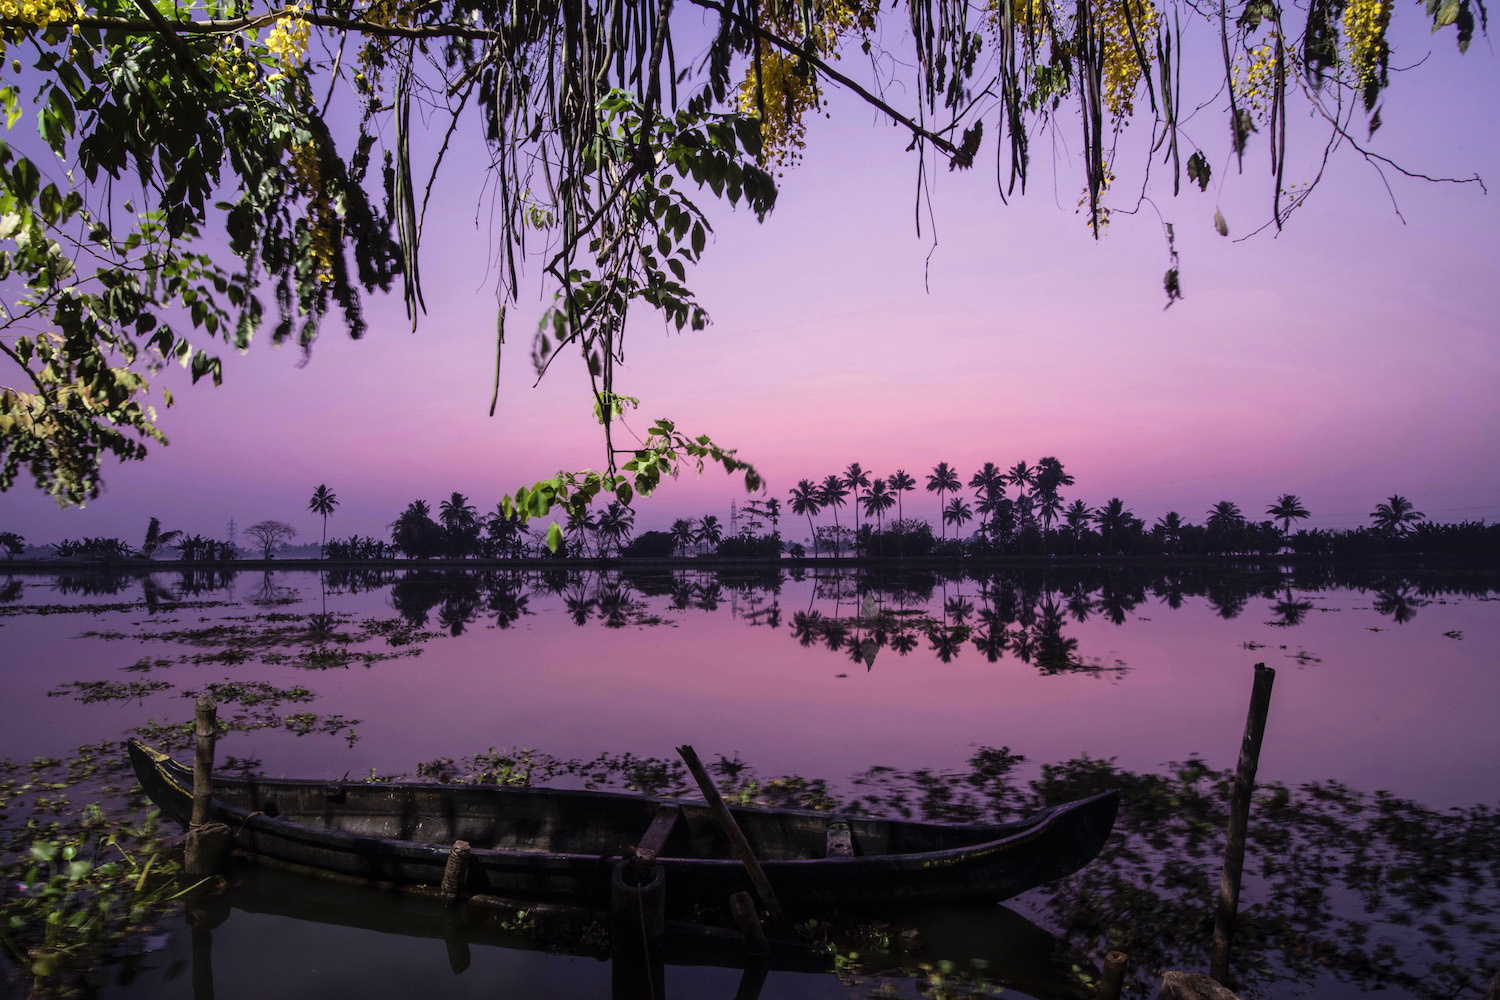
1349, 358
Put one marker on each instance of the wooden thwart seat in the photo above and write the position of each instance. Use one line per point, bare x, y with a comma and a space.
660, 829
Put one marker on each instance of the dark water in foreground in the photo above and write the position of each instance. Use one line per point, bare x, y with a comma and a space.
1373, 861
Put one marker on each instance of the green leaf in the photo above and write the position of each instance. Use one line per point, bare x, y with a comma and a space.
554, 537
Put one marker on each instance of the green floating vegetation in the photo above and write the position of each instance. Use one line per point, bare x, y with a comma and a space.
94, 691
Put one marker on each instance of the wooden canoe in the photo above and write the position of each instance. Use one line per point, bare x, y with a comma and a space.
543, 843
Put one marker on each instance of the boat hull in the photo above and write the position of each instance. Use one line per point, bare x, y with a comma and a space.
556, 844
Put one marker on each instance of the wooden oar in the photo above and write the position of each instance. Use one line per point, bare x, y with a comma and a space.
736, 836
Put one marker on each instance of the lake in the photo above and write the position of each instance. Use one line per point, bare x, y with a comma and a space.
953, 694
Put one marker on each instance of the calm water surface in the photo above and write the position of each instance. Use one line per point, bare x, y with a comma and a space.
884, 686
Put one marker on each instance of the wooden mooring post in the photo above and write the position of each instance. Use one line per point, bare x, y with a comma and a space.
1112, 982
1239, 819
207, 846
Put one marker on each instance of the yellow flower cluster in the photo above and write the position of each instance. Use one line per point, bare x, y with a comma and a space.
307, 180
1365, 22
1255, 86
787, 96
320, 238
288, 42
234, 66
1122, 67
39, 13
1034, 15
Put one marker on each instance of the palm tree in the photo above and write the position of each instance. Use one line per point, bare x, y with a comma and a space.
710, 532
461, 521
1113, 520
943, 480
1021, 476
616, 525
156, 538
323, 502
957, 513
831, 495
1394, 516
1077, 516
579, 525
878, 501
1050, 479
901, 483
807, 501
1287, 508
1224, 516
987, 481
854, 478
682, 533
1170, 524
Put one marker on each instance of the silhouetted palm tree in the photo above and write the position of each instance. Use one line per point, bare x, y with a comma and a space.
1021, 476
1395, 516
1287, 508
943, 480
1224, 517
1113, 520
806, 500
13, 543
1170, 524
831, 495
459, 518
710, 533
323, 502
1077, 517
901, 483
879, 500
958, 513
854, 479
1050, 479
987, 481
616, 524
682, 533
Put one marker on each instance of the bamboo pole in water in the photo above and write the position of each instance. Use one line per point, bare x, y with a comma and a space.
1239, 818
732, 829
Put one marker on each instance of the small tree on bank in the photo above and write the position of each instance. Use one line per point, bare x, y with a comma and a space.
269, 534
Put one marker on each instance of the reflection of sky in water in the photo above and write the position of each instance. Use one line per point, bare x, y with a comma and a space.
1359, 697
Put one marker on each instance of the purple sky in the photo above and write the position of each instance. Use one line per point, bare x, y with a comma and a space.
1352, 357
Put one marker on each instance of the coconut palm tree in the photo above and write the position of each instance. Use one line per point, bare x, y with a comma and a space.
1170, 525
958, 513
855, 478
682, 533
943, 480
1113, 520
616, 525
988, 480
878, 500
1050, 479
710, 533
1077, 517
1224, 516
13, 543
461, 521
832, 496
901, 483
806, 500
1395, 516
323, 502
1287, 508
1021, 476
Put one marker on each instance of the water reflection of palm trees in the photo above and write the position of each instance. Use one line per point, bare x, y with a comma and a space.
1398, 602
